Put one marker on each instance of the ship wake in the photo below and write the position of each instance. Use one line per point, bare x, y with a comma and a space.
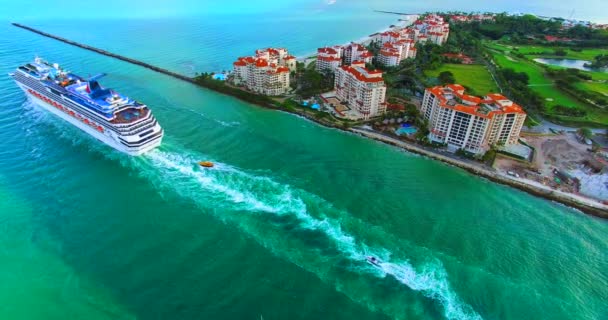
301, 219
282, 218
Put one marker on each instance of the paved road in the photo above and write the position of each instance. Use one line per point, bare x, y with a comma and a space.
545, 126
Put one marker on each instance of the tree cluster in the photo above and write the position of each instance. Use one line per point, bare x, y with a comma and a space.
600, 61
566, 80
310, 82
446, 77
531, 29
516, 84
205, 80
428, 56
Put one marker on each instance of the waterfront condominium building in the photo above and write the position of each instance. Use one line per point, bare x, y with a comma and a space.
329, 58
266, 73
361, 89
392, 53
468, 122
277, 56
431, 28
356, 52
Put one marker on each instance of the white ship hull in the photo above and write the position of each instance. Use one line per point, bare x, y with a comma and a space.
108, 137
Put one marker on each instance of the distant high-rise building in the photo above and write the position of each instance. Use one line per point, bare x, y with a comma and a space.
361, 89
267, 72
468, 122
329, 58
356, 52
392, 53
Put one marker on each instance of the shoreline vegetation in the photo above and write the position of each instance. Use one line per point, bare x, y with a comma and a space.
581, 203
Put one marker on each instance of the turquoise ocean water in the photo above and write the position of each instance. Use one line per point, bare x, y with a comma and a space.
281, 227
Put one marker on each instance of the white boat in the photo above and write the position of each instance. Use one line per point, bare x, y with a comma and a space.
115, 119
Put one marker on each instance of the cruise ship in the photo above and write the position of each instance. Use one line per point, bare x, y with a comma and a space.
115, 119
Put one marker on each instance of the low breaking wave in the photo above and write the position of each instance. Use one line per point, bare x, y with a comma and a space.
240, 191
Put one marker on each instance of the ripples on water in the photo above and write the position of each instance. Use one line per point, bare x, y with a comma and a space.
293, 212
505, 246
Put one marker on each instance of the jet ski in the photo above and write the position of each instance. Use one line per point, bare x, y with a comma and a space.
373, 261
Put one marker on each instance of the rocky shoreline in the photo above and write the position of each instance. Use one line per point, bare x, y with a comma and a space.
583, 204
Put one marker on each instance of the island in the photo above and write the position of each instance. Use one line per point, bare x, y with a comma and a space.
494, 94
515, 118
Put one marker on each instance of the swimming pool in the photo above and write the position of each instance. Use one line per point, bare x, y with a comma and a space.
219, 76
406, 131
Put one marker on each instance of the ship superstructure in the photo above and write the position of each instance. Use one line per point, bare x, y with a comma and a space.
115, 119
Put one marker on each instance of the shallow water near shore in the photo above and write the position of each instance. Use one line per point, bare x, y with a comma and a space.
280, 228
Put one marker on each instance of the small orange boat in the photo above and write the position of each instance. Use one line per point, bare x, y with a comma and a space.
206, 164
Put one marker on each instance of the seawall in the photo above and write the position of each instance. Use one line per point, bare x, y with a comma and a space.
578, 202
106, 53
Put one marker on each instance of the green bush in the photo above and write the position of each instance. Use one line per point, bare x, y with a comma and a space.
566, 111
206, 81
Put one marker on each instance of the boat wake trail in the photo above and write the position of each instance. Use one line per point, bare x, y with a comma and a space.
291, 209
204, 116
282, 218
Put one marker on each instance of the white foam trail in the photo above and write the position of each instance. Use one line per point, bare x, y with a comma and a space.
261, 194
220, 122
242, 191
227, 123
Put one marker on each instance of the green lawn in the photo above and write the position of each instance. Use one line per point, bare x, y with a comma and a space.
538, 79
593, 86
598, 75
534, 71
552, 95
547, 51
473, 76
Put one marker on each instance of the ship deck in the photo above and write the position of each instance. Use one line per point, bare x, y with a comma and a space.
130, 115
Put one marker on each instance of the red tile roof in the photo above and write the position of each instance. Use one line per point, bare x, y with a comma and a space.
327, 50
390, 33
455, 87
361, 76
456, 55
261, 63
389, 53
323, 58
469, 98
505, 105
